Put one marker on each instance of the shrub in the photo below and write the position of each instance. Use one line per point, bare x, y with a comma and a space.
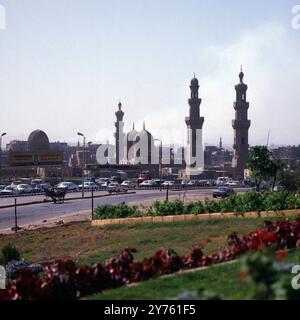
116, 211
211, 206
253, 202
168, 208
9, 253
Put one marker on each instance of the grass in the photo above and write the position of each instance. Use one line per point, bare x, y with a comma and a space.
86, 244
224, 281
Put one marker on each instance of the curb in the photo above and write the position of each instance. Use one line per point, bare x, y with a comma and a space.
190, 217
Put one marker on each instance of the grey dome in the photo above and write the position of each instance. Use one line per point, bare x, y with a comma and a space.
38, 141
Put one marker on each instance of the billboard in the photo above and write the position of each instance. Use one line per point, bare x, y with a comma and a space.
36, 158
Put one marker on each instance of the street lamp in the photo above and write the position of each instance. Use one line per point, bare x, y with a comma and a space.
1, 136
84, 160
160, 164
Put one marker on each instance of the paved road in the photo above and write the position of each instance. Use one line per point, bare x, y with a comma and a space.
36, 213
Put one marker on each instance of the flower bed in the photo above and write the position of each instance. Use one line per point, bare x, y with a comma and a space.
67, 280
239, 204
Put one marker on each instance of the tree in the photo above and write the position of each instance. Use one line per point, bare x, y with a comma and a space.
276, 167
290, 180
262, 165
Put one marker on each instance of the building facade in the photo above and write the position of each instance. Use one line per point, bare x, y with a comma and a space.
194, 156
241, 126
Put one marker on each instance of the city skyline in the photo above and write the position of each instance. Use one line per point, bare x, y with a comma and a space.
65, 71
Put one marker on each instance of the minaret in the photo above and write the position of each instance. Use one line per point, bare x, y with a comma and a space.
221, 143
119, 133
241, 126
194, 124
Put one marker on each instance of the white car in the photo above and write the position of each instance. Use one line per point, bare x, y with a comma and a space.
89, 185
168, 184
115, 187
24, 188
68, 186
129, 184
149, 183
232, 184
9, 191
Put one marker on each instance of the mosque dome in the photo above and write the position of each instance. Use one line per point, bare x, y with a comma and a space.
38, 141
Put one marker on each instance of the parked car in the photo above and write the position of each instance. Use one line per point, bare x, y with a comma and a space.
24, 189
89, 186
149, 184
102, 181
105, 184
221, 181
68, 186
45, 186
193, 183
116, 187
184, 184
232, 183
145, 175
9, 191
168, 183
223, 192
129, 184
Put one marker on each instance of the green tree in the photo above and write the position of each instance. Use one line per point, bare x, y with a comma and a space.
290, 180
260, 163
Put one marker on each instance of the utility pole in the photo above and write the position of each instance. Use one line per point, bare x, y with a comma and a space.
84, 160
1, 136
160, 164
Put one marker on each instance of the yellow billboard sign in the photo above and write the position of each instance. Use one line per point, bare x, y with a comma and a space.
35, 158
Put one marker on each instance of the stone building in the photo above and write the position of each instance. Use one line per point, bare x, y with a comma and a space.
241, 126
194, 156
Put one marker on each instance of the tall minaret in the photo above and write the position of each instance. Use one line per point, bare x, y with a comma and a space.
119, 134
241, 126
195, 123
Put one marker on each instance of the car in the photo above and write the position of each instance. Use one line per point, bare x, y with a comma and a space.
116, 179
129, 184
168, 184
149, 184
9, 191
102, 181
223, 192
116, 187
88, 185
184, 184
221, 181
24, 189
68, 186
145, 175
45, 186
105, 184
193, 183
232, 183
36, 189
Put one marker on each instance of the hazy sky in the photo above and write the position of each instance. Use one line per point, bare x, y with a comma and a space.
65, 64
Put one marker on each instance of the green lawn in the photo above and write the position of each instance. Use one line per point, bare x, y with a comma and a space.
223, 280
86, 244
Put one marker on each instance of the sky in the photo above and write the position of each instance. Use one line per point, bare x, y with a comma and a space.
66, 64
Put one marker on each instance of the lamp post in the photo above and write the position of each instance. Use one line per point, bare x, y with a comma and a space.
1, 136
84, 160
160, 164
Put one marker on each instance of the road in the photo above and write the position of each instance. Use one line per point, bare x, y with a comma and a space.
36, 213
